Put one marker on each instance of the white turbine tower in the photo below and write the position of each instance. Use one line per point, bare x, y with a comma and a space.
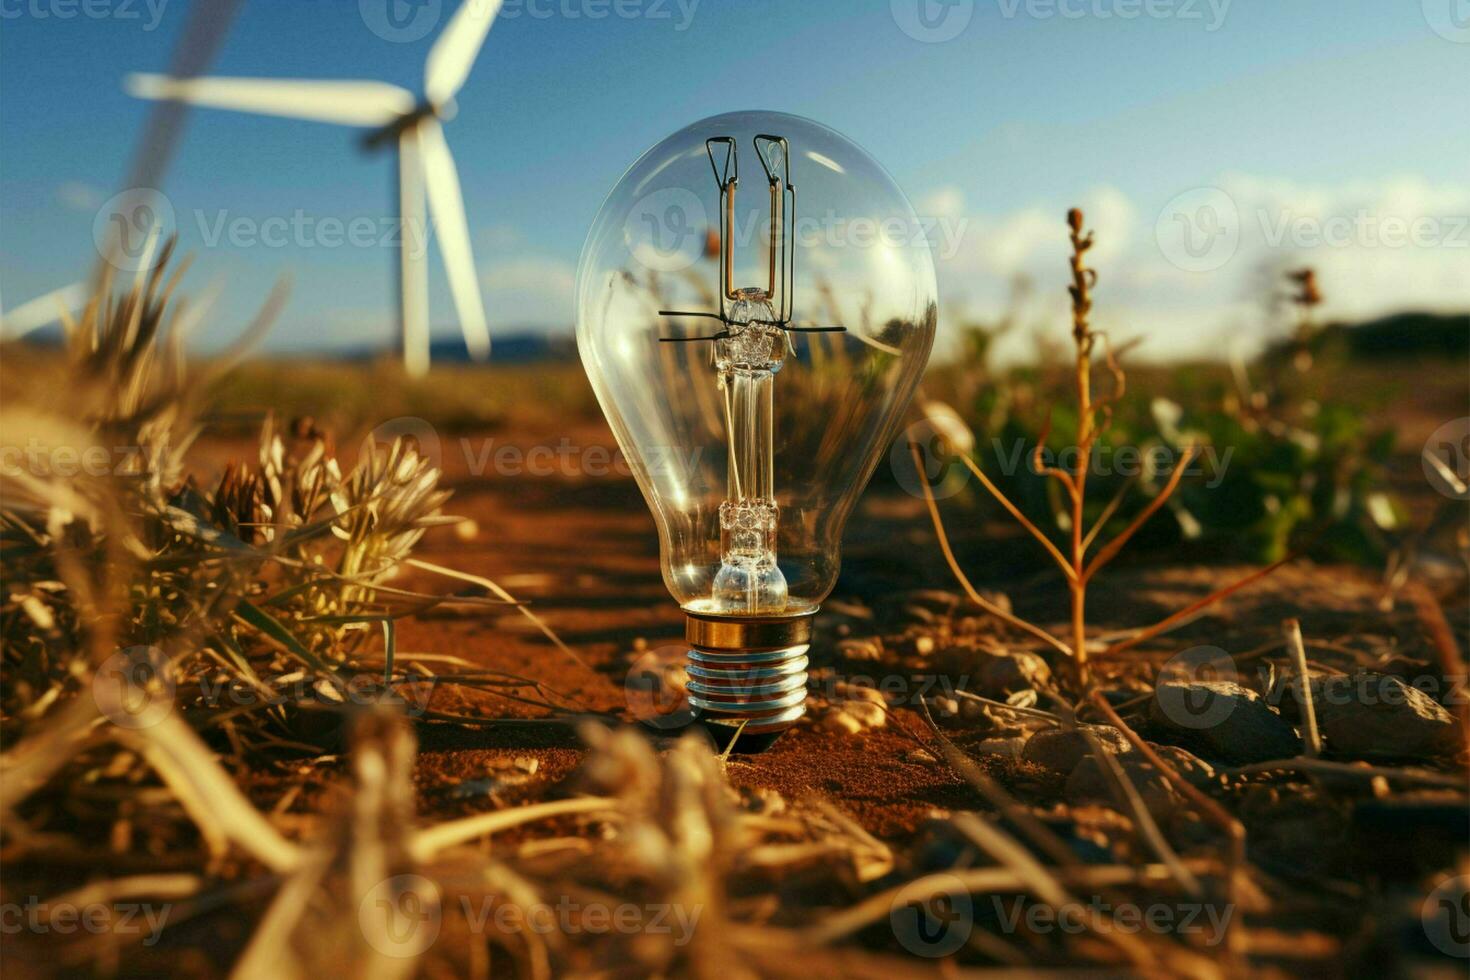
425, 165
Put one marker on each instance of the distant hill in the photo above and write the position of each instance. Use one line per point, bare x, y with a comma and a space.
515, 348
1405, 335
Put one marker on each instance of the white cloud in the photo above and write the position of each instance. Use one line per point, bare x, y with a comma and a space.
78, 196
1378, 247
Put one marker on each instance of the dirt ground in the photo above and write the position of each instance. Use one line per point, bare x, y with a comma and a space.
581, 550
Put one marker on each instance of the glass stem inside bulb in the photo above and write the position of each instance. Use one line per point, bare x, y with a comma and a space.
749, 580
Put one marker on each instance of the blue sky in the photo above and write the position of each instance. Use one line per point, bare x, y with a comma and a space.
1301, 110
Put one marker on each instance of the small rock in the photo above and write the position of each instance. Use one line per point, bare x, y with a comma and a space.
861, 692
841, 721
868, 714
920, 757
1090, 784
1003, 674
870, 649
958, 661
1378, 716
1224, 720
1061, 749
945, 707
1007, 748
1026, 698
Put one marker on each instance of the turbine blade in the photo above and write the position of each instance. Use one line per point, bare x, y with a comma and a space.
446, 203
203, 34
37, 313
413, 257
455, 50
346, 103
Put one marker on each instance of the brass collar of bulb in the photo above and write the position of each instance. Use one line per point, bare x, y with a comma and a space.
746, 633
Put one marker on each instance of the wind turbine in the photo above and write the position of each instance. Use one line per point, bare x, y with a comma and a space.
46, 309
209, 22
425, 166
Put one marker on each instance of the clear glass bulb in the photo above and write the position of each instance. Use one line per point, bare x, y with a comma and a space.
752, 443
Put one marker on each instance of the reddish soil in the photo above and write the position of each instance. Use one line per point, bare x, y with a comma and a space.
582, 551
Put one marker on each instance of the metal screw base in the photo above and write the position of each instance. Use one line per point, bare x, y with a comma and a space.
748, 670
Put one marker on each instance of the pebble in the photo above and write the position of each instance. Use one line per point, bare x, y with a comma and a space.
1224, 721
860, 649
841, 721
868, 714
861, 692
1376, 716
921, 757
1008, 748
1004, 674
1061, 749
1089, 784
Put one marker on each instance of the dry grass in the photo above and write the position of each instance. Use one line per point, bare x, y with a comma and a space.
133, 593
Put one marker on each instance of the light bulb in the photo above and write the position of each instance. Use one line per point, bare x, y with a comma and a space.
755, 306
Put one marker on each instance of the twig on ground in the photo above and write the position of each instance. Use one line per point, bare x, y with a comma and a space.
1310, 737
